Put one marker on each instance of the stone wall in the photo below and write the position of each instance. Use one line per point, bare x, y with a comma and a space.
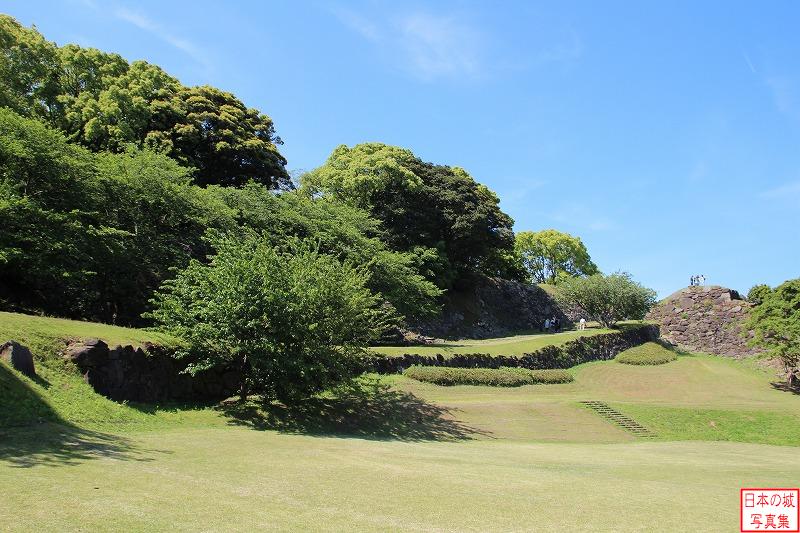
490, 307
704, 319
581, 350
146, 374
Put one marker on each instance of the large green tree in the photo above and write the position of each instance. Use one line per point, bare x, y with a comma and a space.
607, 299
549, 255
775, 322
341, 230
439, 212
293, 321
105, 103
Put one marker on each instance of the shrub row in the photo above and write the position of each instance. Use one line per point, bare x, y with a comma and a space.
581, 350
650, 353
494, 377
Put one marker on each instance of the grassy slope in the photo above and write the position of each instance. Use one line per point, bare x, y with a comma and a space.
514, 345
60, 394
422, 457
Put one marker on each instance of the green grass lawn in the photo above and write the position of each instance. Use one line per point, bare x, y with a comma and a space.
513, 345
399, 454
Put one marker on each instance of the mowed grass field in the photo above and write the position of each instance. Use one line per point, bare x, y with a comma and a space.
398, 454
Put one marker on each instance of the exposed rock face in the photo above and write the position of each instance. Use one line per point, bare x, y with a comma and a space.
19, 357
145, 375
490, 307
704, 319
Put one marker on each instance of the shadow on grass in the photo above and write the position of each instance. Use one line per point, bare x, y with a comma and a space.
785, 387
61, 444
365, 410
32, 434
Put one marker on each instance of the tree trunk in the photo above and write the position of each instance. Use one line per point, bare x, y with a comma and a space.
243, 384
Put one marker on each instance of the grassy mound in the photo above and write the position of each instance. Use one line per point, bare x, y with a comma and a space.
493, 377
650, 353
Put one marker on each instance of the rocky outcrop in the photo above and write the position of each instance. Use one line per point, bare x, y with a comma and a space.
491, 307
705, 319
146, 374
19, 357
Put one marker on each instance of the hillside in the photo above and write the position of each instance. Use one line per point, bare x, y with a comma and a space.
376, 451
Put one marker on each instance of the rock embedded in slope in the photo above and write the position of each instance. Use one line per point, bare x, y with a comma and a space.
19, 357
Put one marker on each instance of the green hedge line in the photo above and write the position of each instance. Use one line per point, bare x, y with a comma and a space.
494, 377
581, 350
650, 353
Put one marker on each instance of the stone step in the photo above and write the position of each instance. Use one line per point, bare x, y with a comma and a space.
614, 416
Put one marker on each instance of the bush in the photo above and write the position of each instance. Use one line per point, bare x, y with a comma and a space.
607, 299
292, 321
650, 353
493, 377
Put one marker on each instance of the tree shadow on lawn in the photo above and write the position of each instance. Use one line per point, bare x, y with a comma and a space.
60, 444
784, 387
32, 433
363, 410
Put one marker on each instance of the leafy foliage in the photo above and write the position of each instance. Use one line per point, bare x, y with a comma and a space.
757, 293
293, 321
650, 353
776, 325
105, 103
607, 299
438, 212
548, 256
341, 230
493, 377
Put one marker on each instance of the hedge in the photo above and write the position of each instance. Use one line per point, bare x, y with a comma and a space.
494, 377
581, 350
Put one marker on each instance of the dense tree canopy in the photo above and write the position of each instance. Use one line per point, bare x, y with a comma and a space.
105, 103
549, 255
775, 323
607, 299
293, 321
439, 212
93, 235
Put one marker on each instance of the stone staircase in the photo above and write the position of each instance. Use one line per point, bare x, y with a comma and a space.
615, 417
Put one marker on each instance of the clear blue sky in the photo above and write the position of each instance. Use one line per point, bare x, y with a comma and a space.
665, 134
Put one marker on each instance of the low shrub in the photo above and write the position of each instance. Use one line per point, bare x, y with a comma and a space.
650, 353
493, 377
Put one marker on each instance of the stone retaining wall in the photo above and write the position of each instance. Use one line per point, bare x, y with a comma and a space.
705, 319
581, 350
148, 374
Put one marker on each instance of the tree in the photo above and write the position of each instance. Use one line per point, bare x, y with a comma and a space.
607, 299
423, 207
103, 102
776, 326
293, 321
28, 69
549, 255
757, 293
346, 232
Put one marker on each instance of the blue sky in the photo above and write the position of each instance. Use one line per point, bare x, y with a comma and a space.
664, 134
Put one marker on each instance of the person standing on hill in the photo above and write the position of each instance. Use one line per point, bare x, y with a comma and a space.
582, 324
547, 325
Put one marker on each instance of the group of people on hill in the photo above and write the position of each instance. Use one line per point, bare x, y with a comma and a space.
552, 325
697, 280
